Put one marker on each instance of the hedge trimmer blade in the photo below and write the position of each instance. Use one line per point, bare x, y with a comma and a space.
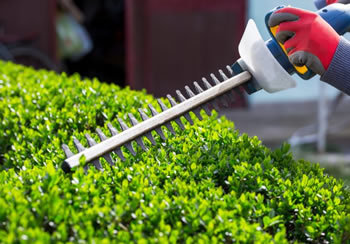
211, 96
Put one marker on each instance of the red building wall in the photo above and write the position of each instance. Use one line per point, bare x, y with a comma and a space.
171, 43
19, 18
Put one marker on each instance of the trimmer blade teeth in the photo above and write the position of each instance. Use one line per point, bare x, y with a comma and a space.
109, 159
188, 118
229, 69
207, 109
81, 148
148, 134
189, 91
162, 105
168, 124
170, 128
158, 130
223, 75
143, 114
67, 151
171, 100
177, 120
206, 83
223, 98
160, 133
122, 124
78, 145
113, 132
182, 99
65, 166
131, 149
112, 129
86, 168
198, 87
198, 114
151, 138
229, 96
215, 103
97, 164
92, 142
215, 79
133, 120
197, 110
200, 90
179, 123
100, 134
128, 145
153, 110
139, 141
180, 96
120, 154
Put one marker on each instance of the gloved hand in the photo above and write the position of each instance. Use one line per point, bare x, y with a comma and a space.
308, 39
323, 3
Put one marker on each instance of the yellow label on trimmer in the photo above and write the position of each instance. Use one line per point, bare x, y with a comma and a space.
301, 70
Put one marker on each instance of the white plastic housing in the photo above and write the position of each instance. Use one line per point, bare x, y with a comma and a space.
259, 61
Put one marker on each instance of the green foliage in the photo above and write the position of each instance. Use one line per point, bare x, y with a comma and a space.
207, 185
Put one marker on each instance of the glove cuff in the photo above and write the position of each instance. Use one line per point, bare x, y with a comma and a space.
338, 72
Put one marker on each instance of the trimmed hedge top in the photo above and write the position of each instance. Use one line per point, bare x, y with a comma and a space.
207, 185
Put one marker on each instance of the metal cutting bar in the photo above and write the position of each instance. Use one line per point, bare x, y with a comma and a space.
158, 120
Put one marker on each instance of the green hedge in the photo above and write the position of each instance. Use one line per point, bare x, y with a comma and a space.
207, 185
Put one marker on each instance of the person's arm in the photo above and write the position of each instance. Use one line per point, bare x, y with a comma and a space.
340, 64
338, 73
311, 41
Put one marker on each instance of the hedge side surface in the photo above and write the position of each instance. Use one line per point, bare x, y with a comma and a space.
209, 184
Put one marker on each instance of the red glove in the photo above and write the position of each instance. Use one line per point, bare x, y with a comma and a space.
328, 2
309, 39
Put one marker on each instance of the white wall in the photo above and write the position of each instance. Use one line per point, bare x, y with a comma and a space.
306, 90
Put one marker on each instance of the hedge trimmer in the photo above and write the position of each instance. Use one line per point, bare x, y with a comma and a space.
263, 65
